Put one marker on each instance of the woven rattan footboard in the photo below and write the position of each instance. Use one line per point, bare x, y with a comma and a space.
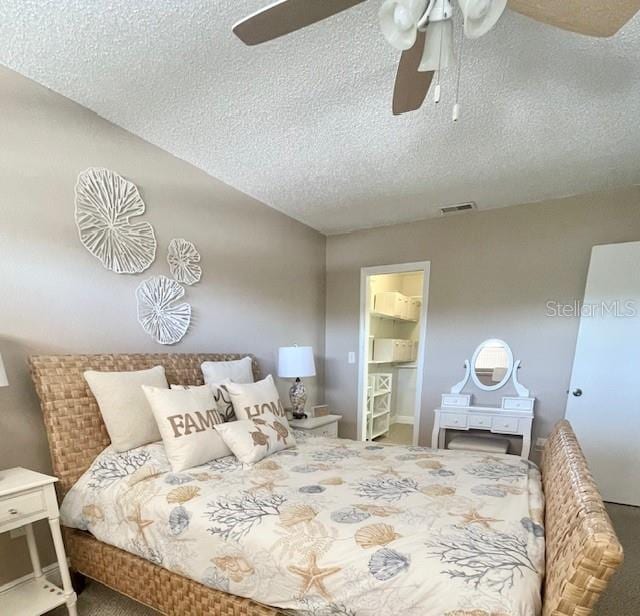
139, 579
583, 551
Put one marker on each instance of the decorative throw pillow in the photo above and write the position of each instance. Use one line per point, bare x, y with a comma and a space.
251, 440
250, 400
239, 371
187, 419
124, 407
220, 395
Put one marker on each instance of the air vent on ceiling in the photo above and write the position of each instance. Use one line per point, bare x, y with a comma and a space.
459, 207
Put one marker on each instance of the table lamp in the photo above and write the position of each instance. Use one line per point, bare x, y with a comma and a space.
294, 363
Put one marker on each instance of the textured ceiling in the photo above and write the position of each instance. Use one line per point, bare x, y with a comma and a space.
304, 123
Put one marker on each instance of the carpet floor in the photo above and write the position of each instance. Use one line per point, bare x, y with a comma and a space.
622, 597
98, 600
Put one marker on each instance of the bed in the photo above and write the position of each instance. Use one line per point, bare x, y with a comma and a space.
582, 551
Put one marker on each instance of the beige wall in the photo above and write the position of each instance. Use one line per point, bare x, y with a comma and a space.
492, 273
263, 273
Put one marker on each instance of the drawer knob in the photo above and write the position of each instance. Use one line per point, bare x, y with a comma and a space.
13, 511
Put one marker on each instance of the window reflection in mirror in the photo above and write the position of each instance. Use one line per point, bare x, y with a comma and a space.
492, 364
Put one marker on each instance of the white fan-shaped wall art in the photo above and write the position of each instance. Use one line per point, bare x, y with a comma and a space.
165, 321
105, 204
183, 259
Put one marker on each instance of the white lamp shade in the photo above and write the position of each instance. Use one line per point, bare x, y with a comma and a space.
399, 21
438, 49
294, 362
481, 15
3, 375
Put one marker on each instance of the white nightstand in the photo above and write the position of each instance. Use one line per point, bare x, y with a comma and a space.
318, 426
26, 497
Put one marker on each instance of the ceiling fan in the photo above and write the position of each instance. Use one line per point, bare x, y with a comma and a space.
423, 29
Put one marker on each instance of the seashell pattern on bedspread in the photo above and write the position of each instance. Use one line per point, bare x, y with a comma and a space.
332, 527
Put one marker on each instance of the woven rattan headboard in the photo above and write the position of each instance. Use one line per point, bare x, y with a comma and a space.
73, 422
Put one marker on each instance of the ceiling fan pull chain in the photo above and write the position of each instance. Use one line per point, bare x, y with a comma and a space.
436, 92
456, 107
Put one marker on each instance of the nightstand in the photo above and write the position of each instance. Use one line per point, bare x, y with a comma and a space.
318, 426
26, 497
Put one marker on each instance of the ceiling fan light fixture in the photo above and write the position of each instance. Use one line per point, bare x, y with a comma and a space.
399, 21
402, 18
480, 15
439, 50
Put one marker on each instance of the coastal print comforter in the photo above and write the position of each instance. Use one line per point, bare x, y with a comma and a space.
332, 527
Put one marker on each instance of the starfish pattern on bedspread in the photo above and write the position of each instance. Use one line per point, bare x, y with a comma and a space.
313, 576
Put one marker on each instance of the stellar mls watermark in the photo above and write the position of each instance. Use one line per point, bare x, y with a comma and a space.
619, 308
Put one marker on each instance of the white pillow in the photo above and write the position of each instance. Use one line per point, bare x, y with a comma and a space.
124, 407
220, 395
250, 400
253, 440
239, 371
186, 419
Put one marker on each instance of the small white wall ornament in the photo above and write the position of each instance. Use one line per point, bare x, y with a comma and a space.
165, 321
183, 259
105, 203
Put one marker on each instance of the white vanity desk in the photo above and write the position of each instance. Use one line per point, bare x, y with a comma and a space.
490, 418
491, 368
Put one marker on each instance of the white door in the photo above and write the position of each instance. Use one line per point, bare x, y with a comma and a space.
604, 397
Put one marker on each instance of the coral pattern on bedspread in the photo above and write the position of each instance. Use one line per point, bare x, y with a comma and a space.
333, 527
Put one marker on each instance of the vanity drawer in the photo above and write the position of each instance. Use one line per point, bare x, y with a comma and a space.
505, 424
453, 420
480, 421
21, 506
518, 404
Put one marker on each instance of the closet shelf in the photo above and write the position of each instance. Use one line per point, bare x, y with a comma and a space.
380, 414
371, 361
390, 317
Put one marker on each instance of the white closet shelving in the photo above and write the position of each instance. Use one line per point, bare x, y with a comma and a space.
379, 392
397, 308
392, 329
394, 310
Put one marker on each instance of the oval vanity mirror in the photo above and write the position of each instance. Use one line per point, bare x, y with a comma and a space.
491, 364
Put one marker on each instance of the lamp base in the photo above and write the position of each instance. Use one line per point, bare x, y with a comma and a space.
298, 397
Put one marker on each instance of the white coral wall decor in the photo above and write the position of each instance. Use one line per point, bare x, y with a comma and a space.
105, 203
163, 320
183, 259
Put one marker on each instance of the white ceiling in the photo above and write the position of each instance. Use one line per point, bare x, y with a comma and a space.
304, 123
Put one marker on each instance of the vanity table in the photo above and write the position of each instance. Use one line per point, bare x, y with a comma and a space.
489, 418
491, 368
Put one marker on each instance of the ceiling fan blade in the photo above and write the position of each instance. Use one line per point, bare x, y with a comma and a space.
411, 85
590, 17
287, 16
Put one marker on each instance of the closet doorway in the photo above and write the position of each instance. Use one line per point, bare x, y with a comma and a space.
393, 328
